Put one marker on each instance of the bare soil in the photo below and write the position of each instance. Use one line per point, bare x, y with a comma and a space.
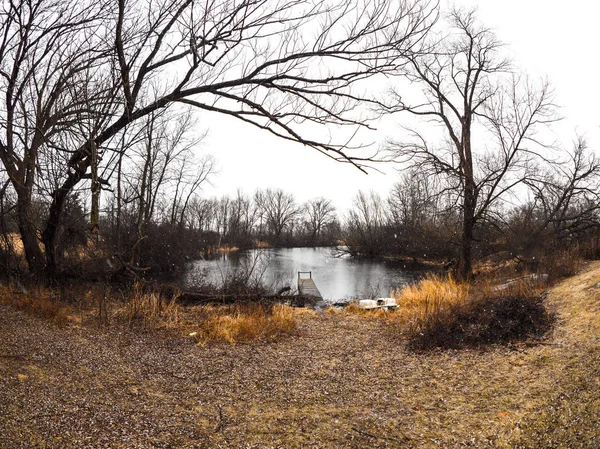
345, 381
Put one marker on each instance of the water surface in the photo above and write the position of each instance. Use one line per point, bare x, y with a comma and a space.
337, 278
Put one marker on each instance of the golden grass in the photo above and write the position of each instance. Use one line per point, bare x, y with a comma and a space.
417, 302
150, 309
430, 296
240, 323
140, 307
14, 241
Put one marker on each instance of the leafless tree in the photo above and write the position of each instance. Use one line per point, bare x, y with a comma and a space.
165, 172
567, 194
279, 210
365, 225
202, 213
45, 50
489, 114
273, 64
319, 213
413, 200
242, 218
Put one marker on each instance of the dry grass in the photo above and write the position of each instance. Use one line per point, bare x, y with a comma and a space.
418, 302
236, 323
241, 323
429, 297
340, 383
42, 303
145, 308
14, 241
149, 309
439, 312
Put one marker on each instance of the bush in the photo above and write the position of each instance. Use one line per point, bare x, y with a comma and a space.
483, 321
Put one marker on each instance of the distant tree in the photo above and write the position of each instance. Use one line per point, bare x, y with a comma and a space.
366, 226
279, 210
319, 213
242, 218
489, 113
566, 196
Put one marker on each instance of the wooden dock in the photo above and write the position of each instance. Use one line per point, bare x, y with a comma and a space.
308, 289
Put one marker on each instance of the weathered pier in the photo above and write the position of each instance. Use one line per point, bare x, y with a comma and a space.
307, 289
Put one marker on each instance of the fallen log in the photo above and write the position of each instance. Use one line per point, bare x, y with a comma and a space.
194, 298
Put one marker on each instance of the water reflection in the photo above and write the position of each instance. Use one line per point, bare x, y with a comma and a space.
336, 277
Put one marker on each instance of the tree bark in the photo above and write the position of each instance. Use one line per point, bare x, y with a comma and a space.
50, 233
33, 253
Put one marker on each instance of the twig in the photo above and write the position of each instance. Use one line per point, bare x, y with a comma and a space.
221, 426
11, 356
370, 435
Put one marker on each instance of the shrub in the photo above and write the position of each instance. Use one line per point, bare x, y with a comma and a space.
483, 321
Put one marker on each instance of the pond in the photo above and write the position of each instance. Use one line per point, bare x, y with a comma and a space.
337, 277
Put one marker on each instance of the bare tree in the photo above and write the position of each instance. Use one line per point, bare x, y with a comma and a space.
489, 114
319, 212
365, 225
242, 218
567, 194
45, 51
273, 64
413, 200
279, 210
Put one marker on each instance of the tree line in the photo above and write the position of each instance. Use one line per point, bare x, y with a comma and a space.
96, 121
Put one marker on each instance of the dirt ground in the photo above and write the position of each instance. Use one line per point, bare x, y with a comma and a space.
345, 381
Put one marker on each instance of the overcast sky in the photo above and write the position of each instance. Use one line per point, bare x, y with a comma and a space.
546, 38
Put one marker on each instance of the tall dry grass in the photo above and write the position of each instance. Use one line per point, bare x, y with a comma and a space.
141, 307
439, 311
429, 297
242, 322
39, 302
150, 309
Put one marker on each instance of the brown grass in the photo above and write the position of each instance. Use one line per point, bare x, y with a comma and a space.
140, 307
342, 383
150, 310
41, 303
433, 295
240, 323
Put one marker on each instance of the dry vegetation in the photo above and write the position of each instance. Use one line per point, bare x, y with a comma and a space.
439, 312
143, 308
341, 380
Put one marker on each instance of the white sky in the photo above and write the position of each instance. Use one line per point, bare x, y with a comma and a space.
556, 39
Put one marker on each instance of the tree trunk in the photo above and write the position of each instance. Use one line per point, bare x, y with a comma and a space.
465, 265
33, 253
52, 225
470, 200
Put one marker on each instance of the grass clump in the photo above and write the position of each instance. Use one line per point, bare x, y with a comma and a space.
150, 309
431, 296
242, 322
